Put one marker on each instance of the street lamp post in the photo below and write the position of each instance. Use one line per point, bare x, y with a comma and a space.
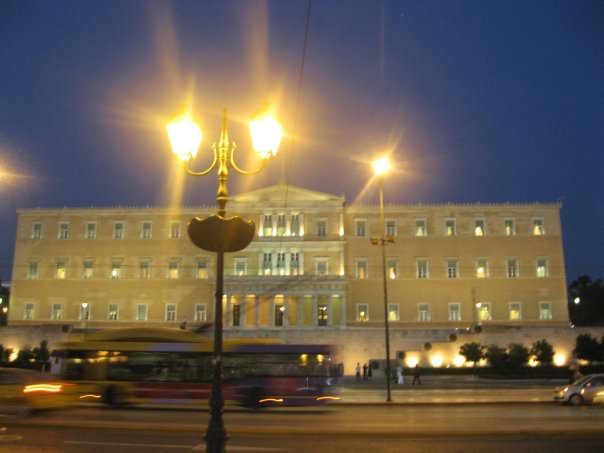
220, 234
381, 167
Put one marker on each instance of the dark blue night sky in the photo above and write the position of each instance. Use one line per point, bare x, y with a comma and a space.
481, 101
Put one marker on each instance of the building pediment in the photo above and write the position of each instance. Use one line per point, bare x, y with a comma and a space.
286, 192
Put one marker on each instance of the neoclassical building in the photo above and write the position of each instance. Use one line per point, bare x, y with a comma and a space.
311, 272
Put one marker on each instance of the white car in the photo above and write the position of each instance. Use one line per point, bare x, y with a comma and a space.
586, 389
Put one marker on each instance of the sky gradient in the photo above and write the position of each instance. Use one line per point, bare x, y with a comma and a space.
477, 101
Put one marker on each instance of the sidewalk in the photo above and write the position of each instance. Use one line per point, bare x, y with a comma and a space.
466, 389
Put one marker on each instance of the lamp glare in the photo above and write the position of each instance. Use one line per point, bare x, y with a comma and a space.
266, 134
381, 166
185, 137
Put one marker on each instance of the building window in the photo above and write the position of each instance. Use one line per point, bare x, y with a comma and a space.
294, 263
91, 230
421, 228
281, 225
321, 266
360, 269
202, 270
421, 268
423, 314
450, 229
240, 265
144, 270
545, 311
146, 230
295, 225
509, 227
484, 311
393, 312
32, 270
36, 231
281, 263
279, 315
173, 270
236, 313
267, 263
28, 314
142, 312
538, 229
322, 228
482, 268
175, 230
61, 270
452, 268
64, 230
201, 313
85, 311
454, 312
118, 230
392, 269
512, 268
170, 312
541, 269
322, 315
55, 312
390, 228
116, 270
88, 269
360, 228
479, 229
113, 312
267, 226
515, 311
362, 312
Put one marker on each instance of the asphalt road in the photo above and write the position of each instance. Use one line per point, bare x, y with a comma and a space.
24, 439
452, 427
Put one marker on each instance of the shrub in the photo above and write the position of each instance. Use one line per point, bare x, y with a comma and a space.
543, 352
473, 352
518, 355
588, 348
496, 356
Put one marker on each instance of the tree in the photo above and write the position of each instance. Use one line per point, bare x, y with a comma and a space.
588, 348
518, 355
473, 352
588, 310
41, 354
496, 356
543, 352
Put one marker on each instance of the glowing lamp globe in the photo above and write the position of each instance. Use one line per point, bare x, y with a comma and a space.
185, 137
381, 166
266, 134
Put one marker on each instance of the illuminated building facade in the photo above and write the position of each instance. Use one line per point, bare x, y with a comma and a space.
310, 274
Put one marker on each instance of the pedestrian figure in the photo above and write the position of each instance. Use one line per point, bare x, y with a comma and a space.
364, 371
358, 372
399, 375
416, 377
370, 370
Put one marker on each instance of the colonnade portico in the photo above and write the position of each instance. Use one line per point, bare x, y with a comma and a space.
284, 310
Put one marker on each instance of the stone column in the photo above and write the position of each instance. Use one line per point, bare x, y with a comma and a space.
330, 310
286, 312
343, 310
301, 301
257, 311
315, 302
242, 310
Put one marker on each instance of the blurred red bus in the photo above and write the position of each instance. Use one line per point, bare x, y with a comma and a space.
151, 366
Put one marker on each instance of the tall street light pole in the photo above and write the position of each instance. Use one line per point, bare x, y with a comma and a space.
220, 234
381, 167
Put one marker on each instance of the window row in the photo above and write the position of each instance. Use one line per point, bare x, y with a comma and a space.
422, 268
508, 228
116, 270
119, 230
483, 312
289, 225
141, 312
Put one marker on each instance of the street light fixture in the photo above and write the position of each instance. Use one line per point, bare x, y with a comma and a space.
220, 234
381, 167
84, 314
